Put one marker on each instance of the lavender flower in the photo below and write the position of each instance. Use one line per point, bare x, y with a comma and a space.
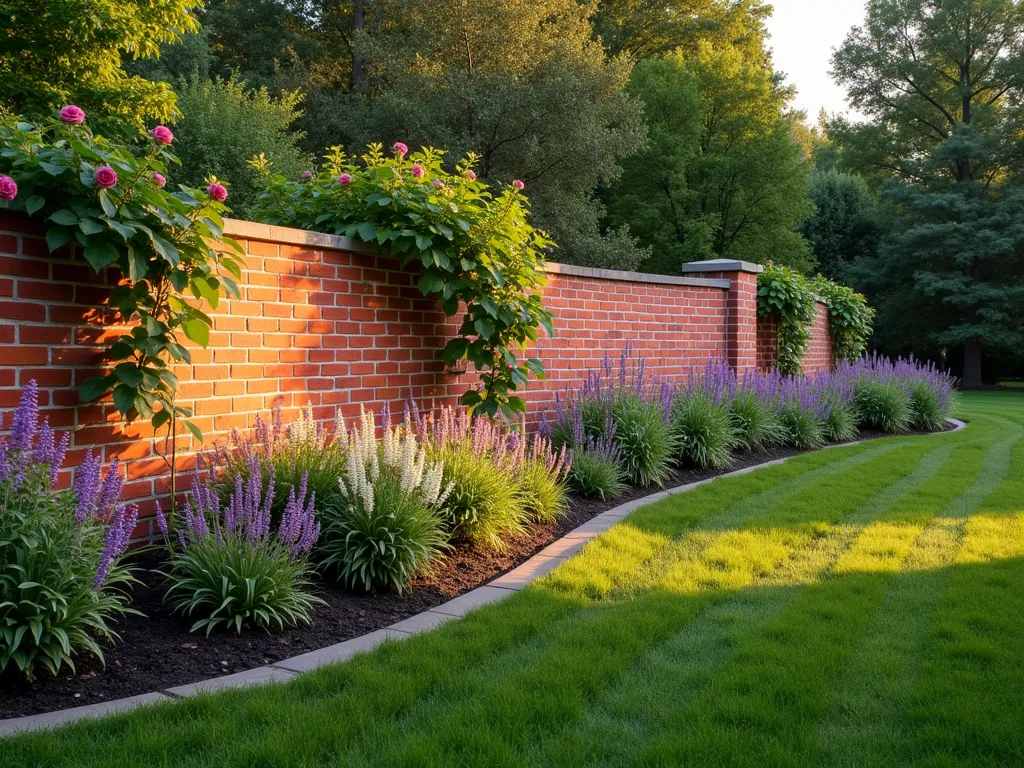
119, 533
87, 487
26, 418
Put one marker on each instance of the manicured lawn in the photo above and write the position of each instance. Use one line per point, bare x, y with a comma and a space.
856, 606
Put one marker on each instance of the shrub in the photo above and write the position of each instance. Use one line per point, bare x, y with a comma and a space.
755, 420
61, 574
230, 570
542, 481
386, 526
702, 430
596, 471
882, 405
286, 455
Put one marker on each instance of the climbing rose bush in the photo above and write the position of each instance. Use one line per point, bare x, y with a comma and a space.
114, 208
473, 247
61, 574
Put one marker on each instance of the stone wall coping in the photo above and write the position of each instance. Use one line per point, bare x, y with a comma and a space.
498, 589
251, 230
723, 265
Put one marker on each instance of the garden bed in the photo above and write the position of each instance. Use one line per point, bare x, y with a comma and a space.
157, 651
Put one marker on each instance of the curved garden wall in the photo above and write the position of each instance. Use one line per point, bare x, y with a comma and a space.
329, 321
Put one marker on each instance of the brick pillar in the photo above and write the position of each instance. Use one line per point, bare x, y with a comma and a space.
741, 305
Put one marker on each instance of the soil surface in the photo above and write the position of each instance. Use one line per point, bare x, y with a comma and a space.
157, 651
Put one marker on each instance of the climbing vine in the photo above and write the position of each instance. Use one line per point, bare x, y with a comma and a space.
791, 299
473, 249
784, 294
111, 207
850, 318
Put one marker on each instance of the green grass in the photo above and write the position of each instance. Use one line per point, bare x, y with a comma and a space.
852, 607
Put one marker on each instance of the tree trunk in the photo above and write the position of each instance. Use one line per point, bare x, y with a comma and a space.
972, 363
359, 21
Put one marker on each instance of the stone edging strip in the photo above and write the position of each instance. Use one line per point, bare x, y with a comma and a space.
546, 560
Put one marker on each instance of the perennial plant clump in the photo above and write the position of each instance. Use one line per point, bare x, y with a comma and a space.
62, 579
386, 525
232, 567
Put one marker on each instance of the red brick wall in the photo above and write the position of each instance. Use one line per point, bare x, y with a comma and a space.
319, 324
819, 346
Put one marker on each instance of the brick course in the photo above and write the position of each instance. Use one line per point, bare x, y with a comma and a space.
337, 327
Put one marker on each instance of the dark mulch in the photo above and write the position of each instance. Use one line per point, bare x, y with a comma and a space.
157, 651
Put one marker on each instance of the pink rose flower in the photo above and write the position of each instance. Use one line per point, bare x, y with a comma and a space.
105, 177
217, 192
162, 135
399, 148
159, 179
518, 184
470, 175
345, 179
417, 171
8, 189
437, 183
306, 176
72, 115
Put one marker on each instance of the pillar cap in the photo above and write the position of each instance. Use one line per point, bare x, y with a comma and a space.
723, 265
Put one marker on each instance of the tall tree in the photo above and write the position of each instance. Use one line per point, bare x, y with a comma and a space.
845, 225
941, 83
55, 52
723, 174
523, 85
645, 29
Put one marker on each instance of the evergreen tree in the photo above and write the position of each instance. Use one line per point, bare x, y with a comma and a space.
942, 83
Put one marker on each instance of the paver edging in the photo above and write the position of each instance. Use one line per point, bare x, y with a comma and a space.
498, 589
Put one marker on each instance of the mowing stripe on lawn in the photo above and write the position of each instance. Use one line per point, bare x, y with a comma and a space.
866, 714
660, 683
780, 678
577, 656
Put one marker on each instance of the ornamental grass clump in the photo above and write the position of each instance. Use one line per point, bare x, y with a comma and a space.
898, 395
638, 406
387, 525
232, 568
286, 455
700, 419
500, 480
803, 412
596, 469
542, 477
62, 578
754, 413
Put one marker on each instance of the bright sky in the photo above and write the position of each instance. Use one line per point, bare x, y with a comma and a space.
803, 35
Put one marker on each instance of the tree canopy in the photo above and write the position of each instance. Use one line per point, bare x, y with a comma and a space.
722, 174
942, 84
57, 52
